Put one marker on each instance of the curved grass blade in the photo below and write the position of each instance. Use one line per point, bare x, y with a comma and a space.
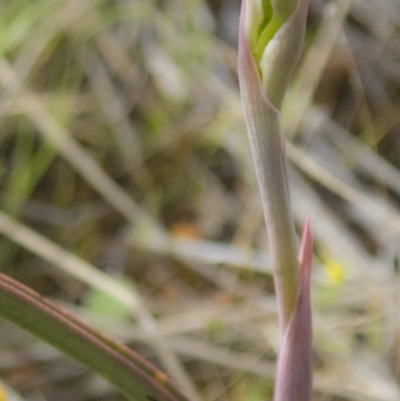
129, 373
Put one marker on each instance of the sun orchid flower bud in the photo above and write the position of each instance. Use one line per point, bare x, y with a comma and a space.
275, 31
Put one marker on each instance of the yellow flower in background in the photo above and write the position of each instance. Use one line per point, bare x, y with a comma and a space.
334, 271
3, 396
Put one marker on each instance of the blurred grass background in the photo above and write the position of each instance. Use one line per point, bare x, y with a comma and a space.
128, 194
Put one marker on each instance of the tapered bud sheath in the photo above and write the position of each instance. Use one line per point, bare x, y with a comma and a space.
294, 372
270, 40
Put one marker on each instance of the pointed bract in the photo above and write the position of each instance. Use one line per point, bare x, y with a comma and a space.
294, 371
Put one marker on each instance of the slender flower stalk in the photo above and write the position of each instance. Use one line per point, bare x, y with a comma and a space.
270, 42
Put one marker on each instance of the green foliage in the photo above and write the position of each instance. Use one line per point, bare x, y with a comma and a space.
147, 92
100, 302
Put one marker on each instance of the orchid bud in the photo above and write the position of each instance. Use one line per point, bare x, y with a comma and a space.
275, 33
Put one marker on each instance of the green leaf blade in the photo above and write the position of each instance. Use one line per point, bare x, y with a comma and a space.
129, 373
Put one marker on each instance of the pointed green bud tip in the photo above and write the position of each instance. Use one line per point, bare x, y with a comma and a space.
261, 24
263, 19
